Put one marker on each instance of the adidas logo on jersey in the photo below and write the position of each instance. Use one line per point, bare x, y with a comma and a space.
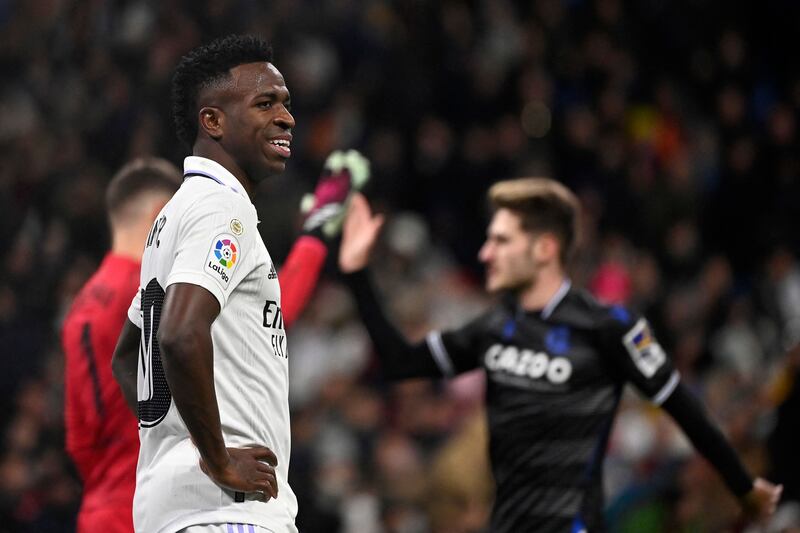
527, 363
272, 273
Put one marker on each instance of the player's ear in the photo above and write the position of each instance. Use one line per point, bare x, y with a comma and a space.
545, 247
156, 203
212, 121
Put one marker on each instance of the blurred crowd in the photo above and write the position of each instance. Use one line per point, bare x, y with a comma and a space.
675, 122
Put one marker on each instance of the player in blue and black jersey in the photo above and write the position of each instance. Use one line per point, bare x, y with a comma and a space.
556, 362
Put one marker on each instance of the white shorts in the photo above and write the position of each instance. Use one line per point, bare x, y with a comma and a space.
225, 528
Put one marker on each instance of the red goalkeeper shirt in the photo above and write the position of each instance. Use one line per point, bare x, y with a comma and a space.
102, 433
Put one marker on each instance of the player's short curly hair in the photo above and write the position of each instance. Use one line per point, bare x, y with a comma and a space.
204, 66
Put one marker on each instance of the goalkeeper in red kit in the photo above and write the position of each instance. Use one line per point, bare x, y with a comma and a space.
101, 432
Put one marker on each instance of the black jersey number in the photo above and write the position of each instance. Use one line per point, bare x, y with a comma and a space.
157, 398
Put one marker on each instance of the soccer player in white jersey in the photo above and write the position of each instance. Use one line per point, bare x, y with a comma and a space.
203, 357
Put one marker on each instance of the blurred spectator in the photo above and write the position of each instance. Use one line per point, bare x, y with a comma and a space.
681, 139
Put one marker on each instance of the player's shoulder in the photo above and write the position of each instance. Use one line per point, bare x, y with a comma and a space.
103, 290
504, 307
206, 191
489, 321
486, 320
494, 317
581, 306
81, 306
200, 197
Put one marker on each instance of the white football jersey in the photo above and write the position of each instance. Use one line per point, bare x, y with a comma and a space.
206, 235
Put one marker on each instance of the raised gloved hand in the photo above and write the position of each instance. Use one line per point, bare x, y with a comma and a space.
344, 172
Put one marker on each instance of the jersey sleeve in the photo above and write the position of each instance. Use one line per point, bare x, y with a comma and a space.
215, 241
298, 276
635, 352
135, 309
457, 350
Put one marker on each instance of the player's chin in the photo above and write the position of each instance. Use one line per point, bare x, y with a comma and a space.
275, 165
498, 284
493, 284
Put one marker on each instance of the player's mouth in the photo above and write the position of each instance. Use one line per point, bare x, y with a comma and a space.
281, 146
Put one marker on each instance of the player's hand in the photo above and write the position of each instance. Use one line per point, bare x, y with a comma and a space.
759, 504
359, 235
343, 173
248, 470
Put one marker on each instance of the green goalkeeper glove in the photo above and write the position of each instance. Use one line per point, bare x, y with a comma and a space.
344, 172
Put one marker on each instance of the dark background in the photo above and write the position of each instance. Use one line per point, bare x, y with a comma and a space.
676, 122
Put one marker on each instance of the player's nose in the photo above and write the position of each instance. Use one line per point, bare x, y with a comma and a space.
484, 254
285, 119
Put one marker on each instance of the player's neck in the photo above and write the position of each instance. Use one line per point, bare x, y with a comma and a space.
540, 292
211, 150
130, 243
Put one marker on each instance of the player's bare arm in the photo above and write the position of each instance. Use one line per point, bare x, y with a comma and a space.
124, 362
188, 357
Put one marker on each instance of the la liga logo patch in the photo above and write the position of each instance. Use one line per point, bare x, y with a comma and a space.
223, 256
226, 252
646, 353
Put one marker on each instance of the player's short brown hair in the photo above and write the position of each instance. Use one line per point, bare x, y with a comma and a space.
543, 205
141, 175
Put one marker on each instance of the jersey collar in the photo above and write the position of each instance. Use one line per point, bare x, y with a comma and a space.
556, 299
208, 168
